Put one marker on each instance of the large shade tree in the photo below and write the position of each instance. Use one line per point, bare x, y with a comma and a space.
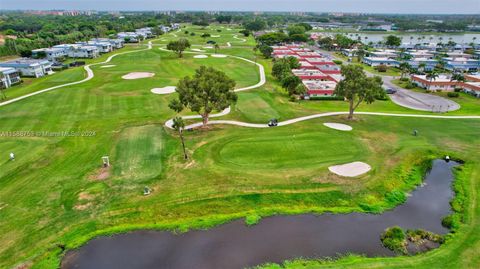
206, 91
179, 46
356, 87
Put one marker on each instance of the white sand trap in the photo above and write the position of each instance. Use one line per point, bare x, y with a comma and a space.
208, 47
164, 90
107, 66
215, 36
228, 29
219, 55
199, 50
137, 75
338, 126
352, 169
201, 56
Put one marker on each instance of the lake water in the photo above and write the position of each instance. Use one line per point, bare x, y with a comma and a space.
406, 37
273, 239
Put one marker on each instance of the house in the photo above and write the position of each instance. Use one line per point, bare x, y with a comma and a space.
462, 64
103, 47
415, 54
306, 65
145, 32
472, 88
441, 83
376, 61
386, 53
472, 77
308, 54
349, 52
30, 67
316, 89
51, 54
130, 37
429, 64
456, 54
310, 74
116, 43
9, 76
79, 51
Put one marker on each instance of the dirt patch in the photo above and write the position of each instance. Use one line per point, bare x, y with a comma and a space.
82, 206
101, 174
85, 196
24, 265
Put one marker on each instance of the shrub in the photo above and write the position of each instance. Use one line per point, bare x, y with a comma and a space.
394, 239
205, 35
219, 30
453, 94
186, 32
252, 219
337, 62
457, 89
404, 79
409, 86
381, 68
192, 34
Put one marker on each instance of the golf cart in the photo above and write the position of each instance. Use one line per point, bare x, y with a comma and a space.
273, 123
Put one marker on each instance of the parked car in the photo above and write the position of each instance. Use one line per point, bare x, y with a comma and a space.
390, 90
273, 123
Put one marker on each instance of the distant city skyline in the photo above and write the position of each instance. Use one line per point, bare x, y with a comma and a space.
350, 6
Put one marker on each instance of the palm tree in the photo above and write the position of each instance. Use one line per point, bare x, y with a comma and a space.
217, 47
179, 125
404, 67
360, 54
473, 39
421, 67
431, 77
457, 77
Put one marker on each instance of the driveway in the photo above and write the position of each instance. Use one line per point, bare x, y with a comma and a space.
411, 99
419, 101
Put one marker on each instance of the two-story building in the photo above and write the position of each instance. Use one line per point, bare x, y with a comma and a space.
79, 51
52, 54
9, 76
30, 67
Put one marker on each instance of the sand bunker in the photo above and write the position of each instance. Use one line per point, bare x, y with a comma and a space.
199, 50
352, 169
338, 126
219, 55
215, 36
201, 56
137, 75
208, 47
107, 66
164, 90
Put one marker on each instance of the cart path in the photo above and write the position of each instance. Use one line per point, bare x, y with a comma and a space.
169, 123
87, 68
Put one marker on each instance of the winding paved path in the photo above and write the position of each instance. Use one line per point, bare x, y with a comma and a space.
87, 68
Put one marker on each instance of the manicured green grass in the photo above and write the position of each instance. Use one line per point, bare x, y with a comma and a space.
56, 192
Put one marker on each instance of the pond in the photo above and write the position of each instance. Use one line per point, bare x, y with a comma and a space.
273, 239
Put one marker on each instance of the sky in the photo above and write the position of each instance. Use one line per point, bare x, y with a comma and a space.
360, 6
